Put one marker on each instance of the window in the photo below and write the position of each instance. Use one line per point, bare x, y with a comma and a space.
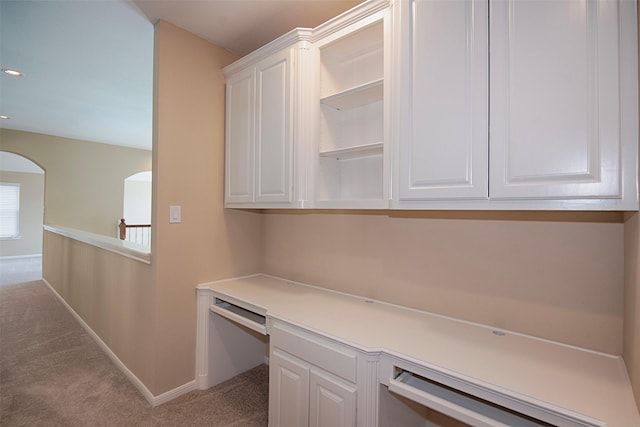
9, 210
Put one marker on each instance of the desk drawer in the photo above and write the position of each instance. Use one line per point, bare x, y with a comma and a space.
316, 350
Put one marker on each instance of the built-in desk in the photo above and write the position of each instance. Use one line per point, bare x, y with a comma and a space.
516, 371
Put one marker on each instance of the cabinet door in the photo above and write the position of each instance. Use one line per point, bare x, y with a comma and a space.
288, 390
332, 402
555, 99
239, 134
443, 124
273, 128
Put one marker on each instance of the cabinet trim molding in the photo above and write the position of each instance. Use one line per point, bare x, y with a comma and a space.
348, 18
282, 42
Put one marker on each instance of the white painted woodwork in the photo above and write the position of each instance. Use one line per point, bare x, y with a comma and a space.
532, 376
368, 380
239, 136
563, 128
555, 99
352, 60
204, 301
356, 96
352, 111
363, 150
259, 134
332, 402
232, 350
441, 99
273, 128
449, 395
288, 390
332, 368
266, 104
455, 404
560, 82
223, 348
240, 315
313, 349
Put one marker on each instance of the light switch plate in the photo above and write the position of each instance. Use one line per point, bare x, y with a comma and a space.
175, 215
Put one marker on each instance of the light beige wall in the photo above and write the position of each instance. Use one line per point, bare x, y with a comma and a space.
551, 276
632, 300
114, 295
31, 214
84, 186
188, 165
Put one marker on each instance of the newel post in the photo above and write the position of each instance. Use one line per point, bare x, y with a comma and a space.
123, 229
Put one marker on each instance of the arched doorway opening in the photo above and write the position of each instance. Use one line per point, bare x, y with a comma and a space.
21, 218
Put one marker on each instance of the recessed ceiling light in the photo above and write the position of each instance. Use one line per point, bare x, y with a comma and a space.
3, 117
13, 73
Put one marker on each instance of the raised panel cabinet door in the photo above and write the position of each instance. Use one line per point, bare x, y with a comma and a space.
239, 134
288, 391
555, 99
273, 128
332, 402
443, 123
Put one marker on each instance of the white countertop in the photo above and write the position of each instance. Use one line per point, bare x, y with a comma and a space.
586, 382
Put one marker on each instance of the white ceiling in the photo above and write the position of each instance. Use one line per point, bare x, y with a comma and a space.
242, 26
87, 69
88, 65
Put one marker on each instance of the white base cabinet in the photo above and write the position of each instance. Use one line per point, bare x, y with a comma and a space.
311, 380
332, 401
288, 390
301, 394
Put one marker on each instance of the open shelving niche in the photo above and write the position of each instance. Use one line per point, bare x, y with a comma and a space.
351, 127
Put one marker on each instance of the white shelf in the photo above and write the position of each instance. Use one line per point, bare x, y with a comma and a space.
363, 150
355, 96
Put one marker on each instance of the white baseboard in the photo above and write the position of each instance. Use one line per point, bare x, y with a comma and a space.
153, 400
172, 394
10, 257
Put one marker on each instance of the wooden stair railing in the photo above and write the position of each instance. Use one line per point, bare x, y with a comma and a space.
123, 226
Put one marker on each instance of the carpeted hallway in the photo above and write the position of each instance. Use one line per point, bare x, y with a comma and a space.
52, 373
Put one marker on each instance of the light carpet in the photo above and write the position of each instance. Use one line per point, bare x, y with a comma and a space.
52, 373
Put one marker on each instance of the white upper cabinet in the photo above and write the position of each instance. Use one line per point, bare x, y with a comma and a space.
441, 104
273, 141
351, 151
555, 99
441, 99
239, 142
546, 118
262, 95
